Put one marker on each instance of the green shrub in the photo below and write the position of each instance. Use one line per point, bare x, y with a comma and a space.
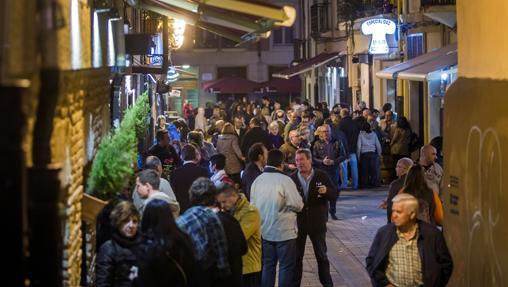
114, 163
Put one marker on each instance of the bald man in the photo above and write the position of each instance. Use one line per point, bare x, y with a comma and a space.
433, 171
401, 170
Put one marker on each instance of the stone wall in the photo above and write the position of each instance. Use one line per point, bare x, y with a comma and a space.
81, 120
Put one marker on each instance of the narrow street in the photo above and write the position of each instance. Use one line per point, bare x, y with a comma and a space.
349, 239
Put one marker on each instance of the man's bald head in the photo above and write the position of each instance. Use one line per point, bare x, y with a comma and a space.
428, 155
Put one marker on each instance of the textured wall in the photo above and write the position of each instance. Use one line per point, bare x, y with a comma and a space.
82, 120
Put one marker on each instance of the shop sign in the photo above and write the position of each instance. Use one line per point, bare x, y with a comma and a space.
378, 28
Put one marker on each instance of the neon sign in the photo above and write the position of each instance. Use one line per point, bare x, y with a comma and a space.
378, 28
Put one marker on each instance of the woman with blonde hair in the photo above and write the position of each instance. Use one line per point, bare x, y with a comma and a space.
274, 135
227, 144
116, 260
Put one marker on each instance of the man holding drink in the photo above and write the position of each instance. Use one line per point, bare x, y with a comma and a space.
316, 190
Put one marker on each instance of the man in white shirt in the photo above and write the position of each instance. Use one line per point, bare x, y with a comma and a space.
275, 195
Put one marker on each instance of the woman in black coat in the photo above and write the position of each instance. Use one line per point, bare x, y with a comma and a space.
116, 260
165, 256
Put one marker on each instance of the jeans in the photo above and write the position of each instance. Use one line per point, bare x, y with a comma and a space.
369, 166
343, 175
353, 161
319, 246
334, 175
283, 252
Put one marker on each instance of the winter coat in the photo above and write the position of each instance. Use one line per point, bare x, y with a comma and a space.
314, 215
117, 262
351, 130
165, 267
227, 145
400, 141
252, 136
437, 265
250, 221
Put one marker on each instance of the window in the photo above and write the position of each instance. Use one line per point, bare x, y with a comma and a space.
283, 36
415, 45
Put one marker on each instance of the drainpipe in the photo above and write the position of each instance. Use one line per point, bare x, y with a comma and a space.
334, 17
43, 183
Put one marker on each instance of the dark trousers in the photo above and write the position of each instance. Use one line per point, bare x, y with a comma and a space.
369, 169
319, 246
251, 279
334, 175
283, 252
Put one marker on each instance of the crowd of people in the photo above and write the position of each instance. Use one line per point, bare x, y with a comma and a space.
228, 193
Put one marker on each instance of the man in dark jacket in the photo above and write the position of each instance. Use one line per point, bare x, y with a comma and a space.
328, 155
401, 170
258, 154
316, 189
340, 136
254, 135
408, 252
182, 178
164, 150
352, 130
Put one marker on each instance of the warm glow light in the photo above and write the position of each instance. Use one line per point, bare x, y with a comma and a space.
75, 36
185, 66
177, 26
97, 51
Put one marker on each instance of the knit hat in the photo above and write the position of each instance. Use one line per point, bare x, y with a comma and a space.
201, 186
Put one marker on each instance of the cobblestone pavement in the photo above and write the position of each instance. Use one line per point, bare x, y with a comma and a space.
348, 239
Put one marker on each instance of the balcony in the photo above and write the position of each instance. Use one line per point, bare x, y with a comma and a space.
349, 10
437, 2
320, 19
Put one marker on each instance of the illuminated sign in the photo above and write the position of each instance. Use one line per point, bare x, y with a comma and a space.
378, 28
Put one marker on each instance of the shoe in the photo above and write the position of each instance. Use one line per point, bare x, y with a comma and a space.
333, 216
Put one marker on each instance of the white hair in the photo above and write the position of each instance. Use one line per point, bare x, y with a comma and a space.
410, 202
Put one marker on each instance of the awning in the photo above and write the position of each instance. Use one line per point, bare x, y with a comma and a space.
420, 73
418, 68
230, 85
252, 20
293, 85
307, 65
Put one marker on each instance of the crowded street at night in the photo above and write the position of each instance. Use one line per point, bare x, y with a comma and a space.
254, 143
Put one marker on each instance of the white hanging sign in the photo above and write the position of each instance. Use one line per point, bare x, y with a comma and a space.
378, 28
